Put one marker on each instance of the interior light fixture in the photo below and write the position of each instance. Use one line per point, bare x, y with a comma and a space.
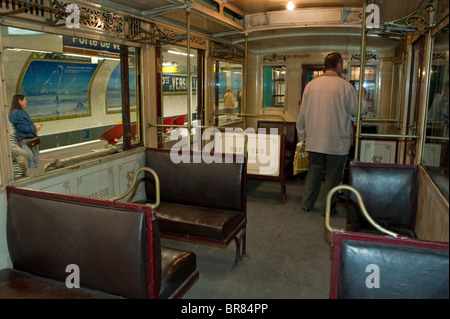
27, 50
179, 53
290, 6
77, 55
94, 59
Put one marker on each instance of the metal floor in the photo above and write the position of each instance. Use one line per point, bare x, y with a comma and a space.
288, 250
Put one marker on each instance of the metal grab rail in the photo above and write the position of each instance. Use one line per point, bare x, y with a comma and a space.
133, 184
255, 116
361, 205
190, 126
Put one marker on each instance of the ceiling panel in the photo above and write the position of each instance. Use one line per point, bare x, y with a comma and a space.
206, 19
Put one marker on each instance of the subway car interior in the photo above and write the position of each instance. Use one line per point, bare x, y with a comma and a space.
167, 165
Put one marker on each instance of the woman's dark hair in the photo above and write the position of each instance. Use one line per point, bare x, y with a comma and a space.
332, 60
15, 102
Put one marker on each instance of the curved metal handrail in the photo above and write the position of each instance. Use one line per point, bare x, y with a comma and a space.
133, 184
361, 205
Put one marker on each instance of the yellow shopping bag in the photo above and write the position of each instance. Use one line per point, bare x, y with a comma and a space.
301, 159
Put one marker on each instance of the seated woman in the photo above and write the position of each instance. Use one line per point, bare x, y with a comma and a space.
19, 154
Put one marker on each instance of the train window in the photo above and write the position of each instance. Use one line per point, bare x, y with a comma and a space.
396, 98
369, 83
436, 148
274, 86
176, 103
74, 90
228, 91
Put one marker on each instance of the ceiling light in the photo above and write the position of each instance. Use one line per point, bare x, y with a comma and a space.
179, 53
27, 50
290, 6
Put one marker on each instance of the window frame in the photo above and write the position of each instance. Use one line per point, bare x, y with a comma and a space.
125, 111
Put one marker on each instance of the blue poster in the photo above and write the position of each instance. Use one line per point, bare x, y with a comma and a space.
57, 88
114, 90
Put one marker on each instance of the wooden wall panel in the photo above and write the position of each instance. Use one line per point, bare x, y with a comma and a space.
432, 211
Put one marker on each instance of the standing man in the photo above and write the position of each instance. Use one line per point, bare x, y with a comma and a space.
228, 103
324, 123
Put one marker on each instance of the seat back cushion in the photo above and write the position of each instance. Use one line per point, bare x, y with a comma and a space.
212, 185
291, 131
108, 244
389, 193
387, 271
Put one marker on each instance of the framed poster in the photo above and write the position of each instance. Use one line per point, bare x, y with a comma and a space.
378, 151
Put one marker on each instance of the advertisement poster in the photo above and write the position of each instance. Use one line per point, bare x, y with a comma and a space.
114, 91
56, 89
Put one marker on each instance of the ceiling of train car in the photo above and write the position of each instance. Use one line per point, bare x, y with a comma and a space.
268, 24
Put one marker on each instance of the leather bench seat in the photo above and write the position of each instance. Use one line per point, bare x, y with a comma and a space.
199, 202
16, 284
197, 221
368, 266
176, 266
291, 135
389, 192
116, 247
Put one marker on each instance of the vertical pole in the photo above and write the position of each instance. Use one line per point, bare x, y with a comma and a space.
6, 166
426, 91
159, 92
189, 80
362, 71
244, 88
125, 78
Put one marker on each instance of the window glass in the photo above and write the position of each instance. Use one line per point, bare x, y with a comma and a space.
175, 99
369, 83
228, 91
274, 86
73, 89
435, 153
395, 111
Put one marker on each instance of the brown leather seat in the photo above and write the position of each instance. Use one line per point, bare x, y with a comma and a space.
116, 247
178, 267
370, 266
193, 203
16, 284
200, 202
291, 135
389, 193
198, 221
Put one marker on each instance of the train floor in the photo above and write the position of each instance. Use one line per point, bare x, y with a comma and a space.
288, 254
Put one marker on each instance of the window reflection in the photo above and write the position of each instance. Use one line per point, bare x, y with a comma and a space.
369, 83
175, 91
73, 86
274, 86
435, 155
228, 91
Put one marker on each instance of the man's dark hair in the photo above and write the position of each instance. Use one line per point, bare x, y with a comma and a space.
332, 59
